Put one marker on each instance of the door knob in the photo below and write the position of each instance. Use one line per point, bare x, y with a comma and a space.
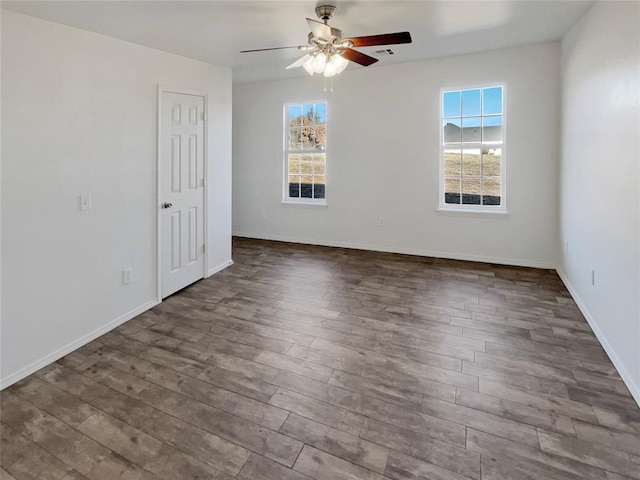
167, 205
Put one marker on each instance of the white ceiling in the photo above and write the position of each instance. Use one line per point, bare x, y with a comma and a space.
216, 31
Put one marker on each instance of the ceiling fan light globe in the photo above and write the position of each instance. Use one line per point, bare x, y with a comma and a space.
339, 62
330, 69
318, 63
308, 66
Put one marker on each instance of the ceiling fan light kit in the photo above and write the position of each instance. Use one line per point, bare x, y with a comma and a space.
328, 53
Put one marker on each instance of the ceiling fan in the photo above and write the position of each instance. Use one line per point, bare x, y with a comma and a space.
328, 52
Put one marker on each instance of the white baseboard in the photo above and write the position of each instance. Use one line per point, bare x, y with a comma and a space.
222, 266
627, 378
67, 349
406, 251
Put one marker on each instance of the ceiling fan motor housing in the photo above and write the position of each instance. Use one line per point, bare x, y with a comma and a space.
325, 11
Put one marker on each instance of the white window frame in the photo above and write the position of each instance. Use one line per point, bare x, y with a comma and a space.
286, 199
466, 208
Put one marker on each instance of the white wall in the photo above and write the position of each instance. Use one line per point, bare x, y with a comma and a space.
599, 177
383, 133
79, 117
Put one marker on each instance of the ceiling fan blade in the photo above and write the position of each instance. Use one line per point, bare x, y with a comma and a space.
320, 30
267, 49
383, 39
299, 62
358, 57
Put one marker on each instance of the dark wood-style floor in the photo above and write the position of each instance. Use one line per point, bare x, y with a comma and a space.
306, 362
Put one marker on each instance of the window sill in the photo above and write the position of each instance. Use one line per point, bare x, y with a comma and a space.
304, 204
463, 212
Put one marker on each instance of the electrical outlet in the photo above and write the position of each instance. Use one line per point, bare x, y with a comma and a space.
127, 276
593, 276
85, 203
381, 222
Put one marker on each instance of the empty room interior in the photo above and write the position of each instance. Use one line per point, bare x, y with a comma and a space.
330, 240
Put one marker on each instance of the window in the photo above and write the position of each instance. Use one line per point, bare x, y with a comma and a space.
472, 149
305, 152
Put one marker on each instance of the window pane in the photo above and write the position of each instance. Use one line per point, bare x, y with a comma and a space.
308, 137
294, 186
491, 162
471, 130
452, 190
452, 130
294, 138
492, 129
318, 164
491, 100
471, 162
452, 163
318, 186
451, 104
321, 112
295, 115
320, 137
306, 186
471, 189
308, 114
470, 102
491, 191
294, 164
306, 164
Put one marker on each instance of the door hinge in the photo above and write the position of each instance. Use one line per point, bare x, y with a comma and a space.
204, 182
204, 248
204, 116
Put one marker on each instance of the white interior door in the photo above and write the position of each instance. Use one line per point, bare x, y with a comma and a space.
181, 190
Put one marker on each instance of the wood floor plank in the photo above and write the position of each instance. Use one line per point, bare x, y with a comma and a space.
404, 467
627, 442
437, 428
411, 383
4, 475
628, 420
319, 411
70, 381
516, 411
321, 391
235, 429
323, 466
437, 374
328, 360
54, 436
259, 467
58, 403
301, 367
536, 460
132, 444
300, 362
445, 455
170, 464
557, 405
115, 466
486, 422
509, 376
404, 398
336, 442
181, 435
594, 454
27, 460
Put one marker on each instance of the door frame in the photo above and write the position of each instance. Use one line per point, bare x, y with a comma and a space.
162, 89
